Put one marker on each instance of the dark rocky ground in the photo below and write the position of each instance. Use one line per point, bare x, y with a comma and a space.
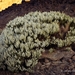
60, 62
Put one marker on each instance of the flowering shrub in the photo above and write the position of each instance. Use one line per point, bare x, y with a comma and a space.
24, 38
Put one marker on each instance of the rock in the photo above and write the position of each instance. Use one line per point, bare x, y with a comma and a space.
71, 66
73, 57
53, 56
68, 54
46, 61
26, 73
56, 62
57, 55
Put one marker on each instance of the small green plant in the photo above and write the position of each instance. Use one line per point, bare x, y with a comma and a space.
24, 38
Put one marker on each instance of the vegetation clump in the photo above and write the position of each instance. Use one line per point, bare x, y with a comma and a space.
24, 38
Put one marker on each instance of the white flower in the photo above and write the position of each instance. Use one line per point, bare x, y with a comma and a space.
17, 30
22, 46
27, 53
22, 37
28, 62
17, 44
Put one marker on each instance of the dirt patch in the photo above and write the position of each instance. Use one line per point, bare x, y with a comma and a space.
60, 62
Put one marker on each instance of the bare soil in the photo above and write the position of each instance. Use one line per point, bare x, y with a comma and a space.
59, 62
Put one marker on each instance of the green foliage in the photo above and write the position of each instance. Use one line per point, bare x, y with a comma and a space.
24, 38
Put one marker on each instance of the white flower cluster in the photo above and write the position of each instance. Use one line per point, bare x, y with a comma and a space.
24, 38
